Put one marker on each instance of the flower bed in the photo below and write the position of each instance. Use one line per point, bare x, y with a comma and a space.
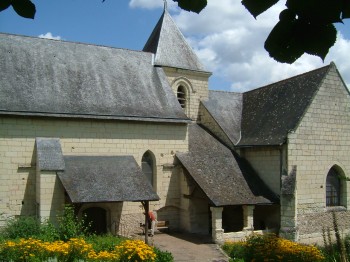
271, 248
76, 249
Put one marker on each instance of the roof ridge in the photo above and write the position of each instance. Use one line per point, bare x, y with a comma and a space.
225, 91
72, 42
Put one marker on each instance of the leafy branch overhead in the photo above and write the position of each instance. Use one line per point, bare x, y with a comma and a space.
24, 8
305, 26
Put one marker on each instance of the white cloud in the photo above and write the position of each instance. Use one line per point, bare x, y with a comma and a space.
152, 4
49, 35
230, 43
339, 54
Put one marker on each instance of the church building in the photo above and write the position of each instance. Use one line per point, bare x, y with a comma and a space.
112, 131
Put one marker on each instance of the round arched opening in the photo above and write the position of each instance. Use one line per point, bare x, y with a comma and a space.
96, 217
334, 188
148, 166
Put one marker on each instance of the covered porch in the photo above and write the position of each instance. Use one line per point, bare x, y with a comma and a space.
233, 197
220, 235
97, 186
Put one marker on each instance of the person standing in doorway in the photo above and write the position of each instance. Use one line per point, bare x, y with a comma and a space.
153, 220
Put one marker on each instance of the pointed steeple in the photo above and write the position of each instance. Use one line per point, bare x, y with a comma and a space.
170, 47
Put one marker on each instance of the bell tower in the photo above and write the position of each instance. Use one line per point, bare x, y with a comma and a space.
186, 74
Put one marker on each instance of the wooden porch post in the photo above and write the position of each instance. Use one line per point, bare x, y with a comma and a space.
146, 206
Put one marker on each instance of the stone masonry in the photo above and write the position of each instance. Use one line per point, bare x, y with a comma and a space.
81, 137
320, 142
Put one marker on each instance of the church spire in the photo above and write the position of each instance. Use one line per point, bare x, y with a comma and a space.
170, 46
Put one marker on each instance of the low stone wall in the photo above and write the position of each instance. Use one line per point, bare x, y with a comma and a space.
129, 225
241, 235
311, 226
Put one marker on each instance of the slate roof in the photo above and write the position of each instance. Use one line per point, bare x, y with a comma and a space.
217, 172
226, 109
89, 179
170, 47
44, 77
49, 154
264, 116
270, 112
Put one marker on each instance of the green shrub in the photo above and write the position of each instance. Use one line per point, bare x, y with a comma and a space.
235, 250
21, 227
163, 256
260, 248
70, 226
338, 250
274, 248
236, 260
347, 246
104, 243
48, 232
228, 246
26, 239
77, 249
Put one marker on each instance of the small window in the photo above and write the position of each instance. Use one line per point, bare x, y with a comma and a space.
181, 96
147, 166
333, 188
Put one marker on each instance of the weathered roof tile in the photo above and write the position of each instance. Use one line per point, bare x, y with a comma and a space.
89, 179
64, 79
49, 154
170, 47
226, 109
270, 112
217, 172
264, 116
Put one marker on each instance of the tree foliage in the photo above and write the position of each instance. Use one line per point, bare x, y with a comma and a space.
24, 8
305, 26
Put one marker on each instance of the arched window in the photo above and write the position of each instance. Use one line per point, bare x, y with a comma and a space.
181, 96
333, 188
148, 166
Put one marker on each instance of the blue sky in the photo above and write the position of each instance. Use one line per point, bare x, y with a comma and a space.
227, 39
111, 23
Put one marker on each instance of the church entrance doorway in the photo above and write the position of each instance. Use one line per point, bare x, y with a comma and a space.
97, 217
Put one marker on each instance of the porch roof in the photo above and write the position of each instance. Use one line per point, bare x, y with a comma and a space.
219, 173
91, 179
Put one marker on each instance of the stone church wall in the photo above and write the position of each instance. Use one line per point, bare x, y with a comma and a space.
196, 84
83, 137
266, 162
321, 141
194, 212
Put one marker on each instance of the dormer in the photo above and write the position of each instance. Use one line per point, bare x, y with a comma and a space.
186, 74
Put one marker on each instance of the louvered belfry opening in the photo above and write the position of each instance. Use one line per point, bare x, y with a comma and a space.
181, 96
